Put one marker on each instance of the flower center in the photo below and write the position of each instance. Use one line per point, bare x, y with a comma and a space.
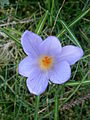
46, 62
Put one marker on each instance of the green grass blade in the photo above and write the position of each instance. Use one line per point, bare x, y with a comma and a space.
86, 82
73, 38
51, 16
14, 31
11, 36
41, 23
73, 22
36, 108
56, 112
48, 1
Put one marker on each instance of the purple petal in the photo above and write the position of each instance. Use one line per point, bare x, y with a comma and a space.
71, 54
60, 73
30, 42
37, 82
27, 65
50, 46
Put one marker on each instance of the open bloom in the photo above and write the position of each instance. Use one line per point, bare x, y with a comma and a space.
46, 60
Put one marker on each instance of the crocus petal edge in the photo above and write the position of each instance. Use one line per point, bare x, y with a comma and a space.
30, 42
37, 83
71, 54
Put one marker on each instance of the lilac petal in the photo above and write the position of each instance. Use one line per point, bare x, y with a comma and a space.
60, 73
30, 42
27, 65
71, 54
50, 46
37, 82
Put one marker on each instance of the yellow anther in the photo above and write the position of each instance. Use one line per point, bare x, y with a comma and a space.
46, 62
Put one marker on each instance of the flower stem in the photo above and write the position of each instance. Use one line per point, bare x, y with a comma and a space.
36, 108
56, 113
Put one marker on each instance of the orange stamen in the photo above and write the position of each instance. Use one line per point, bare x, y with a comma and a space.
46, 62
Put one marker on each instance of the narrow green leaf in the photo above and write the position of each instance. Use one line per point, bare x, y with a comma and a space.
11, 36
36, 108
74, 39
51, 16
13, 30
49, 1
41, 23
73, 22
56, 112
86, 82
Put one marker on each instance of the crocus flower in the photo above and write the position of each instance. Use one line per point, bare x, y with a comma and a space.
46, 60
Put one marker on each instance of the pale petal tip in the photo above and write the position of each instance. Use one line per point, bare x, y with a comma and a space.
32, 91
81, 52
37, 85
25, 32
